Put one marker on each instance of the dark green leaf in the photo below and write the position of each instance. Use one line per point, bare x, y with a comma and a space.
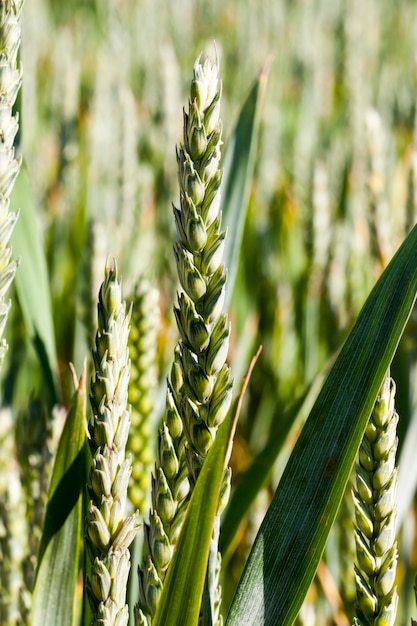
252, 480
292, 537
239, 163
32, 282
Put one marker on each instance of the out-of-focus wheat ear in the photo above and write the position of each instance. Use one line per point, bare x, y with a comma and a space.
14, 596
375, 512
413, 621
108, 532
143, 339
34, 438
10, 82
14, 601
384, 229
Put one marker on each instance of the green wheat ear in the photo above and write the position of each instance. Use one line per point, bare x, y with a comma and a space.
205, 395
14, 598
11, 80
200, 386
142, 388
375, 512
108, 532
14, 540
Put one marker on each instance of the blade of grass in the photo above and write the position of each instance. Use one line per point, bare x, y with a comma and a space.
290, 542
252, 480
239, 163
59, 553
32, 282
180, 601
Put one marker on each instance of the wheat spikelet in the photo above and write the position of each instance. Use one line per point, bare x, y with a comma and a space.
200, 386
142, 387
10, 82
108, 532
375, 512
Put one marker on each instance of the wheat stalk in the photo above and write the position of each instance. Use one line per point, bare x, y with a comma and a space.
375, 513
108, 532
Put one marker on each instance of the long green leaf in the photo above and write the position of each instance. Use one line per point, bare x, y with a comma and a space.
32, 282
59, 554
180, 600
292, 536
238, 166
252, 480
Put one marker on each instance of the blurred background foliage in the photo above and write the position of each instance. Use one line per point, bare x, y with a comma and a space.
333, 195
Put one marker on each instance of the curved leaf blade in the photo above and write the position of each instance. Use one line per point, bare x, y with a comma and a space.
59, 553
32, 282
255, 476
239, 163
180, 600
293, 534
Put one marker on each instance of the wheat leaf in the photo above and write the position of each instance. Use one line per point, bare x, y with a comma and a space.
32, 283
293, 534
239, 164
59, 554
